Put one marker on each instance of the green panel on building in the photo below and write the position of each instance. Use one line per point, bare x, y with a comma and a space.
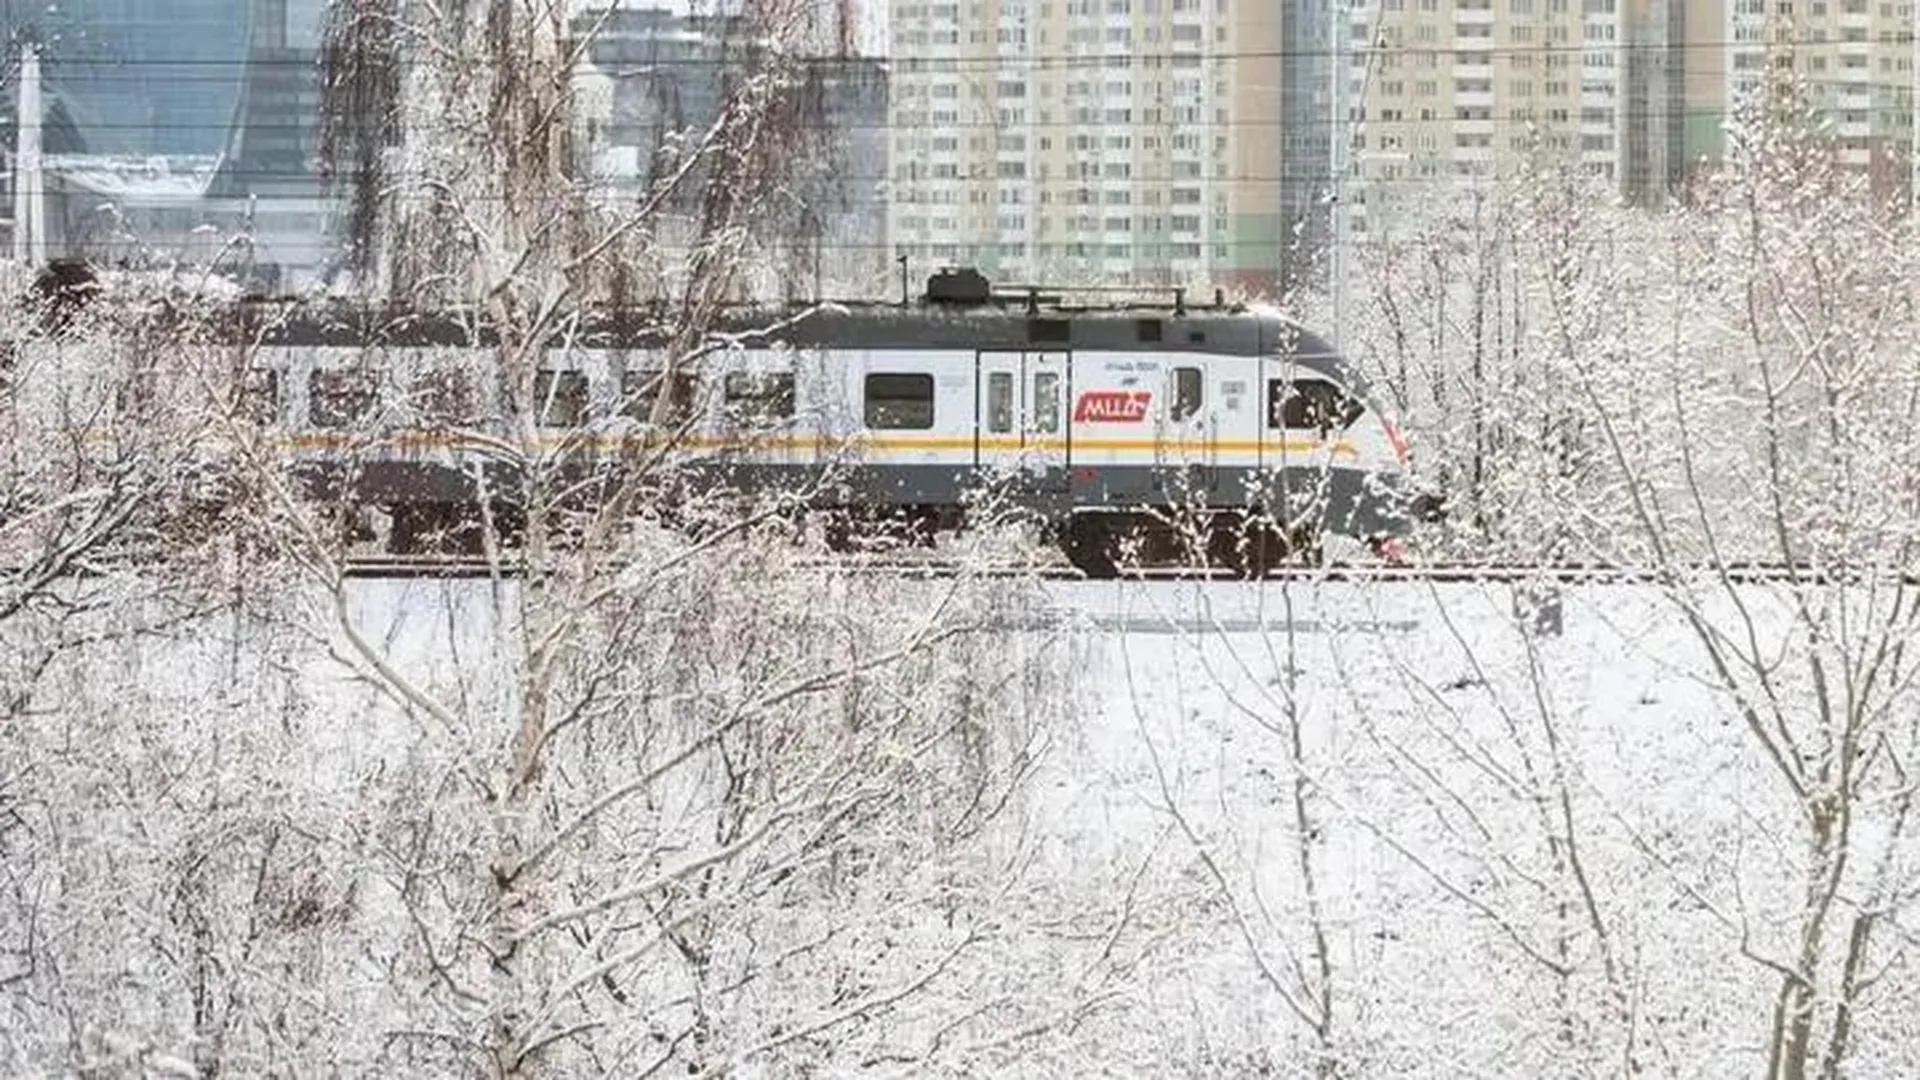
1256, 241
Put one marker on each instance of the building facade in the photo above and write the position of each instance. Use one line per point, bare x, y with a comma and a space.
1855, 58
135, 78
1116, 142
1637, 92
179, 131
655, 73
1451, 93
1306, 137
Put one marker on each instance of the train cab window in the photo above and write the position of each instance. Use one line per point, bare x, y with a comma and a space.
899, 401
1046, 401
1309, 405
260, 396
560, 398
759, 396
1000, 402
340, 398
1188, 392
640, 388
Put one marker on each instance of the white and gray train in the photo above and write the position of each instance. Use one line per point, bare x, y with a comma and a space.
1171, 424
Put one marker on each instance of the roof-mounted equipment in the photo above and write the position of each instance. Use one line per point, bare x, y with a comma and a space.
959, 286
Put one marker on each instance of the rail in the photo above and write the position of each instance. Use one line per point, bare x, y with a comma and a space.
374, 567
1355, 572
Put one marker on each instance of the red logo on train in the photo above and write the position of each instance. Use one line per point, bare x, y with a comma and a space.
1112, 406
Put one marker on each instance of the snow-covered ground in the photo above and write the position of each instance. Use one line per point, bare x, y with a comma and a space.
1524, 847
1367, 825
1527, 849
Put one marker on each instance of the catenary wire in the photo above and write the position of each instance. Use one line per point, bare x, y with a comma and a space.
1097, 60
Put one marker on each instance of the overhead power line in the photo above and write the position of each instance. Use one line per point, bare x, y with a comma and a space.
1094, 57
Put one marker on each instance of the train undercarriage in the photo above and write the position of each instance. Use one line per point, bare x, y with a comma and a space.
417, 513
1100, 544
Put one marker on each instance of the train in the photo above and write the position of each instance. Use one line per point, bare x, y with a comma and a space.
1129, 431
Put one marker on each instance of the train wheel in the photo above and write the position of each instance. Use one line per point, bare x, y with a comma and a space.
1250, 548
837, 530
1092, 546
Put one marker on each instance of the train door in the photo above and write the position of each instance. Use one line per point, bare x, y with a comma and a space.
1020, 417
1188, 434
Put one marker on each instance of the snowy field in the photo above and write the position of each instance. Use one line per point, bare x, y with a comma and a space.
1340, 829
1527, 851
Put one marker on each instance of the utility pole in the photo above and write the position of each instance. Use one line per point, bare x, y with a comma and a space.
1339, 147
29, 204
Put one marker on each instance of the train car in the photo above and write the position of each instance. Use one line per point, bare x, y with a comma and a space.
1130, 431
1106, 423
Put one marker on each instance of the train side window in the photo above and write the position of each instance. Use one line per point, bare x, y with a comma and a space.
759, 396
1000, 402
899, 400
1188, 392
260, 396
445, 399
341, 397
560, 398
640, 387
1046, 401
1309, 405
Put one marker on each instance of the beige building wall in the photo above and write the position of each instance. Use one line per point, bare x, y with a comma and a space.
1087, 141
1454, 92
1855, 56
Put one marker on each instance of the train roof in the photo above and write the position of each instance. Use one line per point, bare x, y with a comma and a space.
959, 310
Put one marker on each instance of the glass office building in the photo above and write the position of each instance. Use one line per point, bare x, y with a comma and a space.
180, 115
137, 78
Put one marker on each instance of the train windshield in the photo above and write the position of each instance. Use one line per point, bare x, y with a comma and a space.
1310, 402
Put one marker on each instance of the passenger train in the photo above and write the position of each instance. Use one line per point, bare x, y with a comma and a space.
1131, 432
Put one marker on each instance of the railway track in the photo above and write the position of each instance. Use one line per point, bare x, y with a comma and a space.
378, 567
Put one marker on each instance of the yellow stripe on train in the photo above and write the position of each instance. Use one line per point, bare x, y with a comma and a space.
431, 441
441, 441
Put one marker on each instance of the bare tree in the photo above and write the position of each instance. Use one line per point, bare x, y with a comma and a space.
1811, 465
1683, 820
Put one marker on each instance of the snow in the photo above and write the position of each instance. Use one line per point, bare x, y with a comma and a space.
1528, 853
1428, 725
1431, 732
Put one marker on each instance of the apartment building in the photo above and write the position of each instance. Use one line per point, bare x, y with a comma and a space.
1855, 56
1452, 92
1090, 141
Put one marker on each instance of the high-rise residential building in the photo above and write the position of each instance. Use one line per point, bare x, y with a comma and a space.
1448, 92
1091, 141
1636, 91
1306, 136
1855, 58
